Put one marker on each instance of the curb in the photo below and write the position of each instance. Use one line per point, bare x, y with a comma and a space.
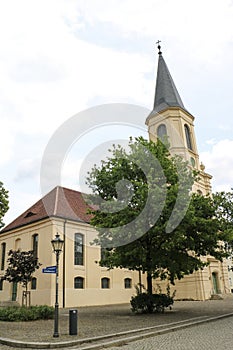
85, 342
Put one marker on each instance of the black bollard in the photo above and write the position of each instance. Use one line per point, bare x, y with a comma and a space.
73, 322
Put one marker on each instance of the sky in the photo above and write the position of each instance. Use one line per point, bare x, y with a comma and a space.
61, 57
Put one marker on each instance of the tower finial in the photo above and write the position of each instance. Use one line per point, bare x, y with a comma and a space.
159, 47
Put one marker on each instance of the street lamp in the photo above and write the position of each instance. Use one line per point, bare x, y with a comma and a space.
57, 244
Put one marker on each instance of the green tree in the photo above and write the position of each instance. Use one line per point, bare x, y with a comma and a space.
146, 218
21, 266
223, 202
3, 203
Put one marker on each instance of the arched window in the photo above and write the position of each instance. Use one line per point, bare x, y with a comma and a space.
18, 244
78, 249
33, 283
105, 283
35, 245
3, 255
128, 283
79, 283
162, 131
192, 161
188, 137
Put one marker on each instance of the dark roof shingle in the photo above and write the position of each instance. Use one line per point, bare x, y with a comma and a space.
166, 93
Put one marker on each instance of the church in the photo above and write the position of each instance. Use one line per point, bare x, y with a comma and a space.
81, 280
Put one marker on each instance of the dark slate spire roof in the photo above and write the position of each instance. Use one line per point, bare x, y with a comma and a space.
166, 94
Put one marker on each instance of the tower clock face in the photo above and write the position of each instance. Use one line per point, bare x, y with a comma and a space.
192, 161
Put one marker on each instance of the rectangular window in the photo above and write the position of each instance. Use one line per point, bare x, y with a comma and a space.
1, 284
78, 249
3, 255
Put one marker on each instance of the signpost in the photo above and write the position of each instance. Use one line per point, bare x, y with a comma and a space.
50, 269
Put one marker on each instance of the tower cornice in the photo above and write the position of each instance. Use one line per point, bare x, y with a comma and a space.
155, 114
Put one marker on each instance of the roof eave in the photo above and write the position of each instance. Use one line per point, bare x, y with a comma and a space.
41, 219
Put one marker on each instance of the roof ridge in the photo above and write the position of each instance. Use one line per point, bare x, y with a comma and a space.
59, 202
56, 200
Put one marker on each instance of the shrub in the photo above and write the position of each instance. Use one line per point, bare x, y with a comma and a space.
148, 303
32, 313
44, 312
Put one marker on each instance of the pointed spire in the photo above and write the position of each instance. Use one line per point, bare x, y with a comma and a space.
166, 94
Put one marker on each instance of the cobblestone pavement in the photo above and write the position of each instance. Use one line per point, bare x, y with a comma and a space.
217, 335
102, 320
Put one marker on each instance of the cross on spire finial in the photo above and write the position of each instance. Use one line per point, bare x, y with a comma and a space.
159, 47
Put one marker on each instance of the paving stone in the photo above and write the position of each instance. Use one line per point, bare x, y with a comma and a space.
100, 320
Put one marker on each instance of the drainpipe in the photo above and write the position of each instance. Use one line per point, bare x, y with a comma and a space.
64, 267
140, 281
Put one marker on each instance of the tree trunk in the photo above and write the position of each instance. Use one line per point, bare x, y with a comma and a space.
149, 283
26, 294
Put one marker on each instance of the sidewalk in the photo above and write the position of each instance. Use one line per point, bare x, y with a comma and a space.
102, 320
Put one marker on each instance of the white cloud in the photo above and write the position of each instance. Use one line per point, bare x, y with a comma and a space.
203, 26
211, 141
219, 163
48, 74
28, 169
50, 71
20, 200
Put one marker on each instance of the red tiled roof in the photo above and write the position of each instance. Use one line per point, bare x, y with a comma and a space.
60, 202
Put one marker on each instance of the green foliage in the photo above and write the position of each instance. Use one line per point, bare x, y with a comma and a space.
223, 202
160, 247
32, 313
45, 312
149, 303
4, 203
21, 266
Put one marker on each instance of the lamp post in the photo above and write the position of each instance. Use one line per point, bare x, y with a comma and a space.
57, 244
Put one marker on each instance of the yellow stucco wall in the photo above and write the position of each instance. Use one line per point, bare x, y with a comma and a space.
198, 286
92, 294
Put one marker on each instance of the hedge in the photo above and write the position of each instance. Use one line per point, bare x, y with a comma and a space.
23, 313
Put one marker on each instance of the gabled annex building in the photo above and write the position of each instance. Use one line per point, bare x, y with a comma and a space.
81, 280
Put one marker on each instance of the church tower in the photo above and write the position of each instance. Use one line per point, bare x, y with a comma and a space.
169, 118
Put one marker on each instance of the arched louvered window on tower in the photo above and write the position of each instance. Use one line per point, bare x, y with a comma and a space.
188, 137
162, 132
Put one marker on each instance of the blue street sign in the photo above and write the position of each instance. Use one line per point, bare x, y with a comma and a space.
50, 269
